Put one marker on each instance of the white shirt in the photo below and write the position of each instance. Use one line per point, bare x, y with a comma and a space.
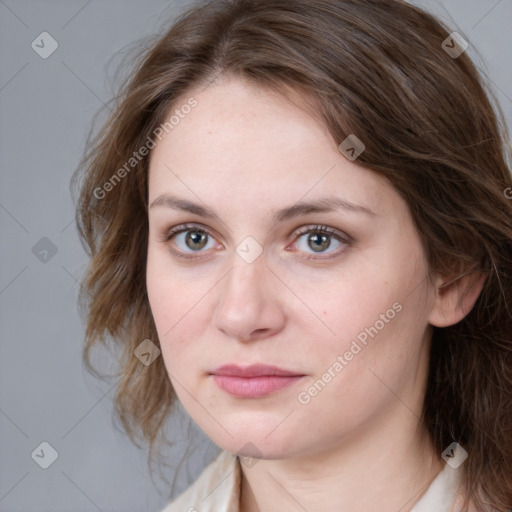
217, 489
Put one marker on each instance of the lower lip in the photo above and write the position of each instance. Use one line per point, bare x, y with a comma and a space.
253, 387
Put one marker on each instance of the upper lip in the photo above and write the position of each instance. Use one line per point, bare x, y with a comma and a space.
254, 370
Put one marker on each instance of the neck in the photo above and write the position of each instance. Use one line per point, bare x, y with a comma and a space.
379, 468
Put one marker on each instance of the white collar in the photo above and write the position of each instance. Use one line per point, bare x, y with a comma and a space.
217, 489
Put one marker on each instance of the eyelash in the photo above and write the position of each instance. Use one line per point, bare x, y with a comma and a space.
316, 229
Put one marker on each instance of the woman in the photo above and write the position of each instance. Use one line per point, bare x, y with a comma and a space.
302, 207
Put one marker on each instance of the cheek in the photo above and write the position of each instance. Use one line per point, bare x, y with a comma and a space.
177, 303
355, 302
373, 313
168, 295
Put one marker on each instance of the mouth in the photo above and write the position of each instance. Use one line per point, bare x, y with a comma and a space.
253, 381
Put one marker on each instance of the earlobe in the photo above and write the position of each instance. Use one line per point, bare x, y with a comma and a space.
455, 297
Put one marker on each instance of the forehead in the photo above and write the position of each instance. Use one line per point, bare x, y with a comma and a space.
252, 145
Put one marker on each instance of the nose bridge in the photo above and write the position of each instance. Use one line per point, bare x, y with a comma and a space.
248, 262
246, 304
245, 283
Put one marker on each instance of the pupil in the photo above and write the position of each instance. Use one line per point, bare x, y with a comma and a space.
322, 239
197, 239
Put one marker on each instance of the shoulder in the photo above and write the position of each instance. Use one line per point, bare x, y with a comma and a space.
217, 489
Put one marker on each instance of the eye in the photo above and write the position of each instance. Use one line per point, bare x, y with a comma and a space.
189, 239
320, 238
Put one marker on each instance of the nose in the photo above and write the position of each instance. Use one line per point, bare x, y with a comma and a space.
248, 307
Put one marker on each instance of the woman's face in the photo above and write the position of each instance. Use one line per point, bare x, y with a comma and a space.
334, 293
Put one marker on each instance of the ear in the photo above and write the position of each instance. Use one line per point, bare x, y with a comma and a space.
455, 297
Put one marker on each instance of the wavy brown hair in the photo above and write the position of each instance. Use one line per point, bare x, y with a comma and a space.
431, 125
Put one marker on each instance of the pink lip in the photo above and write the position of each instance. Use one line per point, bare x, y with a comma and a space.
253, 381
254, 370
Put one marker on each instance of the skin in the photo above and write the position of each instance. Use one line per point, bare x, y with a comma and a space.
356, 445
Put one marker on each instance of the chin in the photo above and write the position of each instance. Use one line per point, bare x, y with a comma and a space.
257, 443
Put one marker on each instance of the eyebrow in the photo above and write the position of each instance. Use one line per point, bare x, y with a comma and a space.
323, 205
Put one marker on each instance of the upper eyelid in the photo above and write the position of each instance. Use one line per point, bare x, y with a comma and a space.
303, 229
299, 232
187, 227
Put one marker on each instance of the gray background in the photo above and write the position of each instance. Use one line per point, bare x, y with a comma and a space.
46, 110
